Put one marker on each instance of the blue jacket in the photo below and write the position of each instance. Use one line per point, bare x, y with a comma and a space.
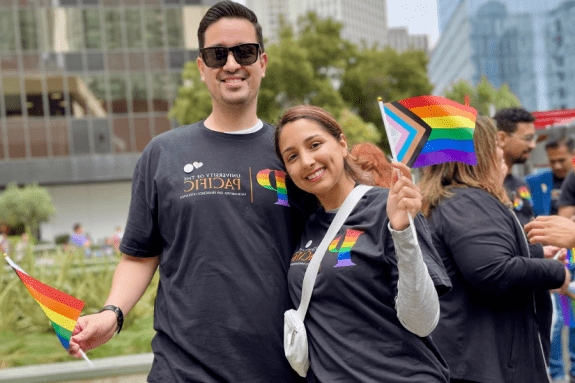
541, 185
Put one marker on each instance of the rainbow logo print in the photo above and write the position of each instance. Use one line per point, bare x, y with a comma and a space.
263, 178
62, 309
344, 253
525, 194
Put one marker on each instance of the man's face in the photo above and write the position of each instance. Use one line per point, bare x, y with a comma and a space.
560, 160
232, 84
518, 146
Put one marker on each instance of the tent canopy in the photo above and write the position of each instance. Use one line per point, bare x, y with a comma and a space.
554, 117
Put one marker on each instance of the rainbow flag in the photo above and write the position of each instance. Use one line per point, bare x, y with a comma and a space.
567, 309
567, 304
62, 309
429, 130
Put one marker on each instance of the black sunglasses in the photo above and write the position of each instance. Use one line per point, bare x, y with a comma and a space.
244, 54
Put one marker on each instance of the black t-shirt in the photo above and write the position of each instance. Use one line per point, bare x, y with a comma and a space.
219, 210
556, 194
353, 331
520, 195
567, 197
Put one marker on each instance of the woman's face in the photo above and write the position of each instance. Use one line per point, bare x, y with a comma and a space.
314, 159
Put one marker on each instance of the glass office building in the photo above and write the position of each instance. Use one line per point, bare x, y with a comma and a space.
560, 56
504, 41
86, 84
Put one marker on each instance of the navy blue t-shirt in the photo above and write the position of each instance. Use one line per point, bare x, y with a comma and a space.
520, 195
353, 331
219, 211
567, 197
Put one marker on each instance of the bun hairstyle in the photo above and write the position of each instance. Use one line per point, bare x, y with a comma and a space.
329, 123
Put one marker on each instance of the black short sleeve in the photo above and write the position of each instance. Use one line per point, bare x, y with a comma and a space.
567, 197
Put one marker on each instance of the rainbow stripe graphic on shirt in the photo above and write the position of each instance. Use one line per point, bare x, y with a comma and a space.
263, 178
344, 253
525, 194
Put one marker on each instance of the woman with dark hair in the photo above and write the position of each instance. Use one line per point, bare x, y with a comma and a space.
375, 299
488, 330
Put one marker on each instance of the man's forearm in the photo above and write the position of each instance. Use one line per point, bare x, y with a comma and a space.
566, 211
131, 279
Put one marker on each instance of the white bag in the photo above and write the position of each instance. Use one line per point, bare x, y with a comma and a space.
295, 336
295, 342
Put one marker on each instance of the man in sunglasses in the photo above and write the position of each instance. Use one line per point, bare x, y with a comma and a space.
211, 206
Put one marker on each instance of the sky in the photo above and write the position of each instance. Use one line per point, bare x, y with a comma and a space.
420, 16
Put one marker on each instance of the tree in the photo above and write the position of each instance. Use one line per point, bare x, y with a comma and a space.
28, 205
356, 130
384, 74
298, 74
194, 102
483, 95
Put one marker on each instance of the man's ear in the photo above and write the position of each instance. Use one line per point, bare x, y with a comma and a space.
502, 138
201, 68
264, 63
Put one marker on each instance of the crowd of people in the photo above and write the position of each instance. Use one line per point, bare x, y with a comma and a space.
434, 282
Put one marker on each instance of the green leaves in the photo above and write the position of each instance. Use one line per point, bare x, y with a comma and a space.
483, 95
29, 205
194, 102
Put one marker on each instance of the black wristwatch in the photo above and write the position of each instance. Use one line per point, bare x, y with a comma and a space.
119, 315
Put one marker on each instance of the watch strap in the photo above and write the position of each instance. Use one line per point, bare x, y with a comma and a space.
119, 315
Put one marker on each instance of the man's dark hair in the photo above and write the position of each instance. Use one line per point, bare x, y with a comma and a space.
77, 226
228, 9
507, 119
558, 138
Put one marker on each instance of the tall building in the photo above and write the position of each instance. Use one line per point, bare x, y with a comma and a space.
400, 40
363, 20
84, 86
501, 40
560, 56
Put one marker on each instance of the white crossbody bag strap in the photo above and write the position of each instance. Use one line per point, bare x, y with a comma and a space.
313, 267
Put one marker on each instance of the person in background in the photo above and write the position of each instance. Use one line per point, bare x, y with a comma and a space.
375, 299
372, 159
546, 188
546, 185
117, 238
212, 210
5, 243
552, 230
78, 238
487, 331
21, 247
516, 136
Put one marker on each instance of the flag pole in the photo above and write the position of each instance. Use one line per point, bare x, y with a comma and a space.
86, 357
394, 156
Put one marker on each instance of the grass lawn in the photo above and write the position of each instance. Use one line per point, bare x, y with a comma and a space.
39, 348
